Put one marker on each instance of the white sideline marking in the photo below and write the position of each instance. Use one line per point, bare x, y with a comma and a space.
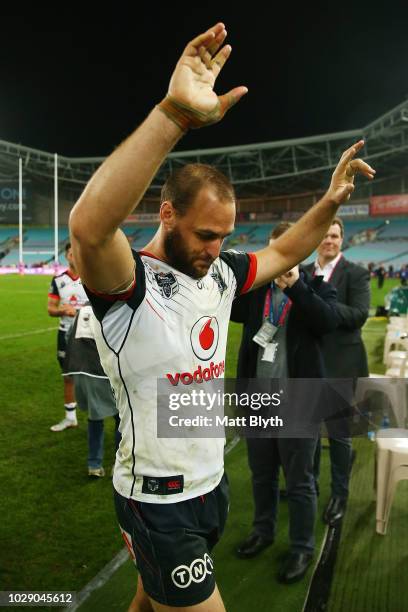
232, 444
110, 568
100, 579
20, 291
30, 333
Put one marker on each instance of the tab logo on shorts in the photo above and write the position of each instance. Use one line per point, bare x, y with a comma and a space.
183, 575
163, 485
168, 284
204, 337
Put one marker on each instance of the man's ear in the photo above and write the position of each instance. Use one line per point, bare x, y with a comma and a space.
167, 215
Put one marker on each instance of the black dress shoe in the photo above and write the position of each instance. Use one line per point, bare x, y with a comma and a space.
334, 511
295, 567
252, 546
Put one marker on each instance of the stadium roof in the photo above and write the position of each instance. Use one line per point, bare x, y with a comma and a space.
285, 166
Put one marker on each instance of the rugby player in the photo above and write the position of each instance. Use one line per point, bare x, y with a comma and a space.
65, 296
163, 314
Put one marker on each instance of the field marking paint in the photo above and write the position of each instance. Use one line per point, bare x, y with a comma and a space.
30, 333
232, 444
110, 568
25, 291
100, 579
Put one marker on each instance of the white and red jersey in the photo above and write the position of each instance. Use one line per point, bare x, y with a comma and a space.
166, 327
68, 289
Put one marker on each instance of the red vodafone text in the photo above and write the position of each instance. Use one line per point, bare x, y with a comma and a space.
199, 375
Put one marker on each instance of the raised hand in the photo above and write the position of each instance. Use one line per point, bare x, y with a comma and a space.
288, 278
192, 101
342, 182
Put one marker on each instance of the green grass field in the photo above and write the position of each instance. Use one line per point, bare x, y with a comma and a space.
58, 528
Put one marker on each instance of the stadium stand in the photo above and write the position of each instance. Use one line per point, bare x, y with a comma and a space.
272, 180
364, 242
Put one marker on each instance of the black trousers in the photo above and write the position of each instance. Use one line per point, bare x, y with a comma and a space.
340, 465
296, 455
340, 400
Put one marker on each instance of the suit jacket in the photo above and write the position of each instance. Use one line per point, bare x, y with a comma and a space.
313, 313
343, 349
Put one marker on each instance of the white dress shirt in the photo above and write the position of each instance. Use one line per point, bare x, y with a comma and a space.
328, 269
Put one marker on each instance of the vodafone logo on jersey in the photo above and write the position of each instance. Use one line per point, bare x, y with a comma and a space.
204, 337
198, 376
204, 341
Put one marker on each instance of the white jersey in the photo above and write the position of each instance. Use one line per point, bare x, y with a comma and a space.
153, 333
68, 289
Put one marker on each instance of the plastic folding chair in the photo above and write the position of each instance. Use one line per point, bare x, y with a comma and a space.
391, 467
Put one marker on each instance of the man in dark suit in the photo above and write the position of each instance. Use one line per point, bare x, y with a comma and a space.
343, 350
300, 322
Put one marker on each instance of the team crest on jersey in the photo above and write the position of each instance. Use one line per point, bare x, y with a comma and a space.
219, 280
168, 284
152, 484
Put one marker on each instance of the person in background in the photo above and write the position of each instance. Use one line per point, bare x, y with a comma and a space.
92, 387
65, 296
309, 305
404, 275
380, 273
344, 352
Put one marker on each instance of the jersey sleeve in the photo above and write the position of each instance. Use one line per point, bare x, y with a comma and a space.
53, 290
133, 297
244, 267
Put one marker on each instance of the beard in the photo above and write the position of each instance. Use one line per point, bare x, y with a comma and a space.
178, 256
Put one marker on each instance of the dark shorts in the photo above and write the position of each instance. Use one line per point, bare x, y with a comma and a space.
171, 544
61, 347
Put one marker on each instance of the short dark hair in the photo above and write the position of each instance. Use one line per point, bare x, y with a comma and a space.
280, 229
183, 185
339, 222
67, 246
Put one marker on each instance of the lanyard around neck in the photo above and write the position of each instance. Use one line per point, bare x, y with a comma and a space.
276, 315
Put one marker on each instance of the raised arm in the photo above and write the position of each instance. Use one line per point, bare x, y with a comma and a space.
299, 241
102, 253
